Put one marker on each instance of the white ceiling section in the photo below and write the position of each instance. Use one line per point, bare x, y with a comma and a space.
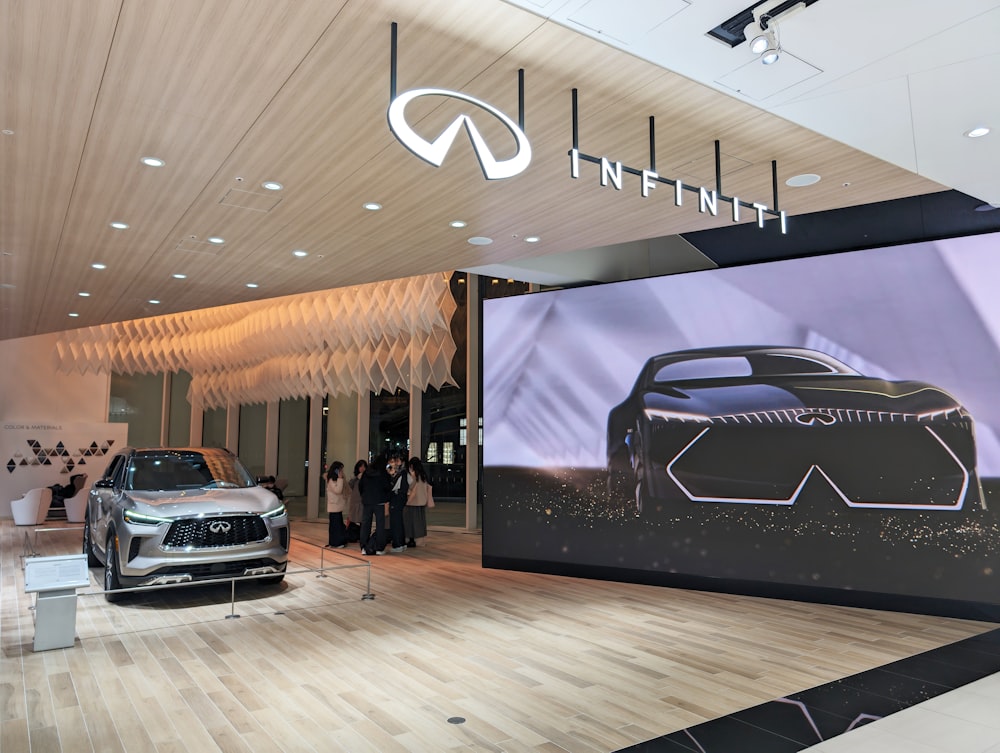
900, 79
232, 93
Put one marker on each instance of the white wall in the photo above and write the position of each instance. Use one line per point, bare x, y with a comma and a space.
32, 393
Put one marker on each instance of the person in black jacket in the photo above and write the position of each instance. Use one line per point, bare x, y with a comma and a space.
397, 501
375, 491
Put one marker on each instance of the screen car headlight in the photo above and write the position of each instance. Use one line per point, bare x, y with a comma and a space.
131, 516
672, 415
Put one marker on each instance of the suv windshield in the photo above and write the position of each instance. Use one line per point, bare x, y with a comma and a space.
171, 470
749, 365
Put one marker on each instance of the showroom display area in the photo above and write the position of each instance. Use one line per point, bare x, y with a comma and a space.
788, 509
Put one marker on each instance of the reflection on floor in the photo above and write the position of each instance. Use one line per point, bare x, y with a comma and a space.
949, 695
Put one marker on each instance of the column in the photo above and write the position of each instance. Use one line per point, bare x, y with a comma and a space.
416, 419
233, 427
271, 439
315, 456
472, 387
197, 424
364, 425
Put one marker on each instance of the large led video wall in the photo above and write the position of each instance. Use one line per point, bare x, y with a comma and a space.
827, 422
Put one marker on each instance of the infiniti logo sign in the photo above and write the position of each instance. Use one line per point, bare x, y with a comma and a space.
435, 151
220, 526
816, 419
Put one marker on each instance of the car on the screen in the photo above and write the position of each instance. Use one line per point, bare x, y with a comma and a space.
758, 425
172, 515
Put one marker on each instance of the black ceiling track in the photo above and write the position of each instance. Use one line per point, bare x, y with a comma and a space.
730, 31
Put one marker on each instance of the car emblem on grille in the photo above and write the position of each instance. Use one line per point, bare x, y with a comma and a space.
816, 419
220, 526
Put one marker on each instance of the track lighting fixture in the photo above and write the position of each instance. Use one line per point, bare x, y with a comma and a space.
762, 35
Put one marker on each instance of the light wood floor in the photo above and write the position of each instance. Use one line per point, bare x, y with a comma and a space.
531, 662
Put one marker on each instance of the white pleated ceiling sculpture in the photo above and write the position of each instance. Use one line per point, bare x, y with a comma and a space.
382, 336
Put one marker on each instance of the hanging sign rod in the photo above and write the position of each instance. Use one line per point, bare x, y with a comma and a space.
611, 174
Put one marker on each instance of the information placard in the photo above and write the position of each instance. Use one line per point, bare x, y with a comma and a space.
60, 573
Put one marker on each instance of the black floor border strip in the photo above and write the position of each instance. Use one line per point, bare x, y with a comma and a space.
804, 719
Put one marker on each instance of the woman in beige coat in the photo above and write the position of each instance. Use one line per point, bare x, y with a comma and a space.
337, 495
419, 498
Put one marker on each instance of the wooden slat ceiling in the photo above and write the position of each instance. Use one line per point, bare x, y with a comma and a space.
235, 92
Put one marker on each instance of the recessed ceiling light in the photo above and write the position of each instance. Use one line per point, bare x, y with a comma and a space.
154, 300
458, 223
372, 206
119, 225
83, 294
978, 131
805, 179
271, 185
7, 132
7, 285
152, 161
300, 253
479, 240
179, 276
73, 313
252, 285
216, 240
532, 239
98, 265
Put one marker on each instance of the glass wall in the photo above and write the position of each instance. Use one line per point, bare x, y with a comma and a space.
293, 445
179, 418
137, 400
253, 433
213, 432
390, 423
442, 425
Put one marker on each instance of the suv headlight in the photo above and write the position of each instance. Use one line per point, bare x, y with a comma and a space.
131, 516
671, 415
277, 512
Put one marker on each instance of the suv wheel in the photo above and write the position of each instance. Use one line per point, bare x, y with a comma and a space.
112, 585
88, 545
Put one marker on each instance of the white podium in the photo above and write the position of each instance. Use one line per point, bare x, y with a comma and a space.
55, 580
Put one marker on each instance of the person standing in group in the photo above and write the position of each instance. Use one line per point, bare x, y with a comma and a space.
337, 495
375, 492
417, 501
354, 507
397, 502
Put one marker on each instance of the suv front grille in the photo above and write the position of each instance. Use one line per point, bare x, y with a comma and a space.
215, 533
838, 415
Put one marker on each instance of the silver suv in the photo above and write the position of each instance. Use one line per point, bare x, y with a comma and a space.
170, 515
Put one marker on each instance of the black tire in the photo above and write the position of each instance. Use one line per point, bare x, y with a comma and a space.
619, 491
88, 545
112, 583
641, 497
639, 489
